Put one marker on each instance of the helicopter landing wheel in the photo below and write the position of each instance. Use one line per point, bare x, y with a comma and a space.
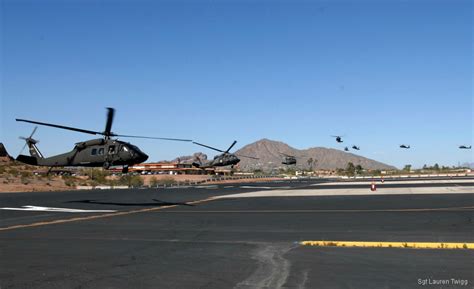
106, 165
125, 170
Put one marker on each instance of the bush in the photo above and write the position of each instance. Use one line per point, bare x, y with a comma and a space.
131, 181
153, 182
167, 181
25, 180
13, 171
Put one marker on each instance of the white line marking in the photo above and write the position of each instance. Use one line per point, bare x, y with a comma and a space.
58, 210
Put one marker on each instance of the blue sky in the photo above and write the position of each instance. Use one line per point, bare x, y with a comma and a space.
380, 72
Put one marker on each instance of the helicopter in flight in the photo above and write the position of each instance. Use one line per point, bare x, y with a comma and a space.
346, 149
356, 147
289, 160
404, 146
338, 138
224, 159
465, 147
101, 152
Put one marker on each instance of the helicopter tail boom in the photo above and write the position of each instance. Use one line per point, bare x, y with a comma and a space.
29, 160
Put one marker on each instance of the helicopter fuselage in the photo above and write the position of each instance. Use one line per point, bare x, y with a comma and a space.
222, 160
94, 153
289, 161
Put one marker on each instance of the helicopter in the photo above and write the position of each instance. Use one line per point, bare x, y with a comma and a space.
224, 159
102, 152
338, 138
465, 147
404, 146
346, 149
356, 147
289, 160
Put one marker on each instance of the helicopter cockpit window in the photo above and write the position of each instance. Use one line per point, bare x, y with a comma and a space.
93, 152
125, 149
101, 151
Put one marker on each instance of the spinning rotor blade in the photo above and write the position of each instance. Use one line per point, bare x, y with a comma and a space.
33, 132
23, 148
247, 156
285, 154
209, 147
232, 145
110, 119
61, 126
151, 137
28, 138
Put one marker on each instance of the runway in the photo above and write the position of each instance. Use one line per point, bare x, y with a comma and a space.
196, 237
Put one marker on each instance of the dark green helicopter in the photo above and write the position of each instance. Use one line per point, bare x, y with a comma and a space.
289, 160
224, 159
102, 152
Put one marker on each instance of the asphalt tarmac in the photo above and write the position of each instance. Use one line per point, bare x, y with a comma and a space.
183, 238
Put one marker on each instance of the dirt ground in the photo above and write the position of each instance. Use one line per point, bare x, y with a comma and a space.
33, 185
57, 183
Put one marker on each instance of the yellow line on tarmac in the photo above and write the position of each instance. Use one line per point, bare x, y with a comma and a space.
413, 245
77, 219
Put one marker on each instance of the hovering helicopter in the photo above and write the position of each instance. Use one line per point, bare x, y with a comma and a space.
465, 147
404, 146
224, 159
346, 149
356, 147
289, 160
103, 152
338, 138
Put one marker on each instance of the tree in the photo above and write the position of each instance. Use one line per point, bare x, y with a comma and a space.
310, 164
350, 169
407, 168
359, 169
436, 167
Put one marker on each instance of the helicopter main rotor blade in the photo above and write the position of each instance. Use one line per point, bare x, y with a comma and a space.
209, 147
231, 146
285, 154
110, 119
247, 156
61, 126
151, 137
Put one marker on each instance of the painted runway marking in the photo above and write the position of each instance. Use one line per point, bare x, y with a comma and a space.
108, 215
323, 210
59, 210
412, 245
264, 188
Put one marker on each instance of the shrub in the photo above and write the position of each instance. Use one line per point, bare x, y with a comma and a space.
131, 181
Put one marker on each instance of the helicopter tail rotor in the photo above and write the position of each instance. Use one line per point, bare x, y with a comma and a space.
29, 140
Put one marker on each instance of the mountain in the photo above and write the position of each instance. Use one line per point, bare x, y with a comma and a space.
268, 152
4, 156
190, 159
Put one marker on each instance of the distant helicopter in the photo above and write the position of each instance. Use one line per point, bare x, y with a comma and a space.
405, 146
338, 138
289, 160
346, 149
356, 147
103, 152
465, 147
224, 159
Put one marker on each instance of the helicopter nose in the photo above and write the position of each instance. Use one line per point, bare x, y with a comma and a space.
142, 157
